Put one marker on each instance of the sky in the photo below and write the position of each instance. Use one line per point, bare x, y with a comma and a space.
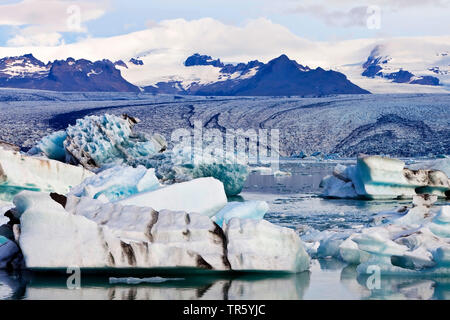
58, 22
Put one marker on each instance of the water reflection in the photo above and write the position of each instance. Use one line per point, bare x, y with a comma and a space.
250, 287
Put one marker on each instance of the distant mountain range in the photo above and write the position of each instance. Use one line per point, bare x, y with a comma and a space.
378, 65
62, 75
278, 77
204, 75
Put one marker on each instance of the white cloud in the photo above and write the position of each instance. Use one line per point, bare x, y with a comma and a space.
40, 22
345, 13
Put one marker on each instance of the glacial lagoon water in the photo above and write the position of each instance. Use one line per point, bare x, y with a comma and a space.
294, 203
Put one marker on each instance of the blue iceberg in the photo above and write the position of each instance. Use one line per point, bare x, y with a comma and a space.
243, 210
117, 183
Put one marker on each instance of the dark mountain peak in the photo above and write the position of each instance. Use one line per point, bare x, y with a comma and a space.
375, 67
120, 63
137, 62
202, 60
62, 75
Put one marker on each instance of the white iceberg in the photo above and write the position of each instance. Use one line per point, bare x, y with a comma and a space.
243, 210
75, 233
205, 196
20, 172
117, 183
51, 237
414, 241
375, 177
260, 245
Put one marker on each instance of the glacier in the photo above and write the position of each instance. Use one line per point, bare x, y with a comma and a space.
21, 172
376, 177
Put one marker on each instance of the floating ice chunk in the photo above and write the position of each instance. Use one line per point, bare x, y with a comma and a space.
131, 280
8, 252
441, 223
52, 146
117, 183
243, 210
19, 172
260, 245
186, 163
205, 196
375, 177
336, 188
232, 175
98, 140
54, 235
54, 238
4, 207
437, 165
350, 252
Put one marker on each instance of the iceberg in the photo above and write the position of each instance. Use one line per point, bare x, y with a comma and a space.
185, 163
375, 177
414, 241
95, 141
117, 183
260, 245
20, 172
9, 252
52, 146
243, 210
204, 196
88, 233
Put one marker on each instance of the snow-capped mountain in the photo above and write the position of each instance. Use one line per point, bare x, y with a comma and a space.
62, 75
378, 65
280, 76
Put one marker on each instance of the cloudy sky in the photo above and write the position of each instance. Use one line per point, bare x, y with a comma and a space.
56, 22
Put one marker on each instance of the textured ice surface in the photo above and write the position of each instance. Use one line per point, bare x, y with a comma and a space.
52, 146
205, 196
412, 241
186, 163
55, 237
95, 141
117, 183
400, 125
376, 177
260, 245
20, 172
243, 210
